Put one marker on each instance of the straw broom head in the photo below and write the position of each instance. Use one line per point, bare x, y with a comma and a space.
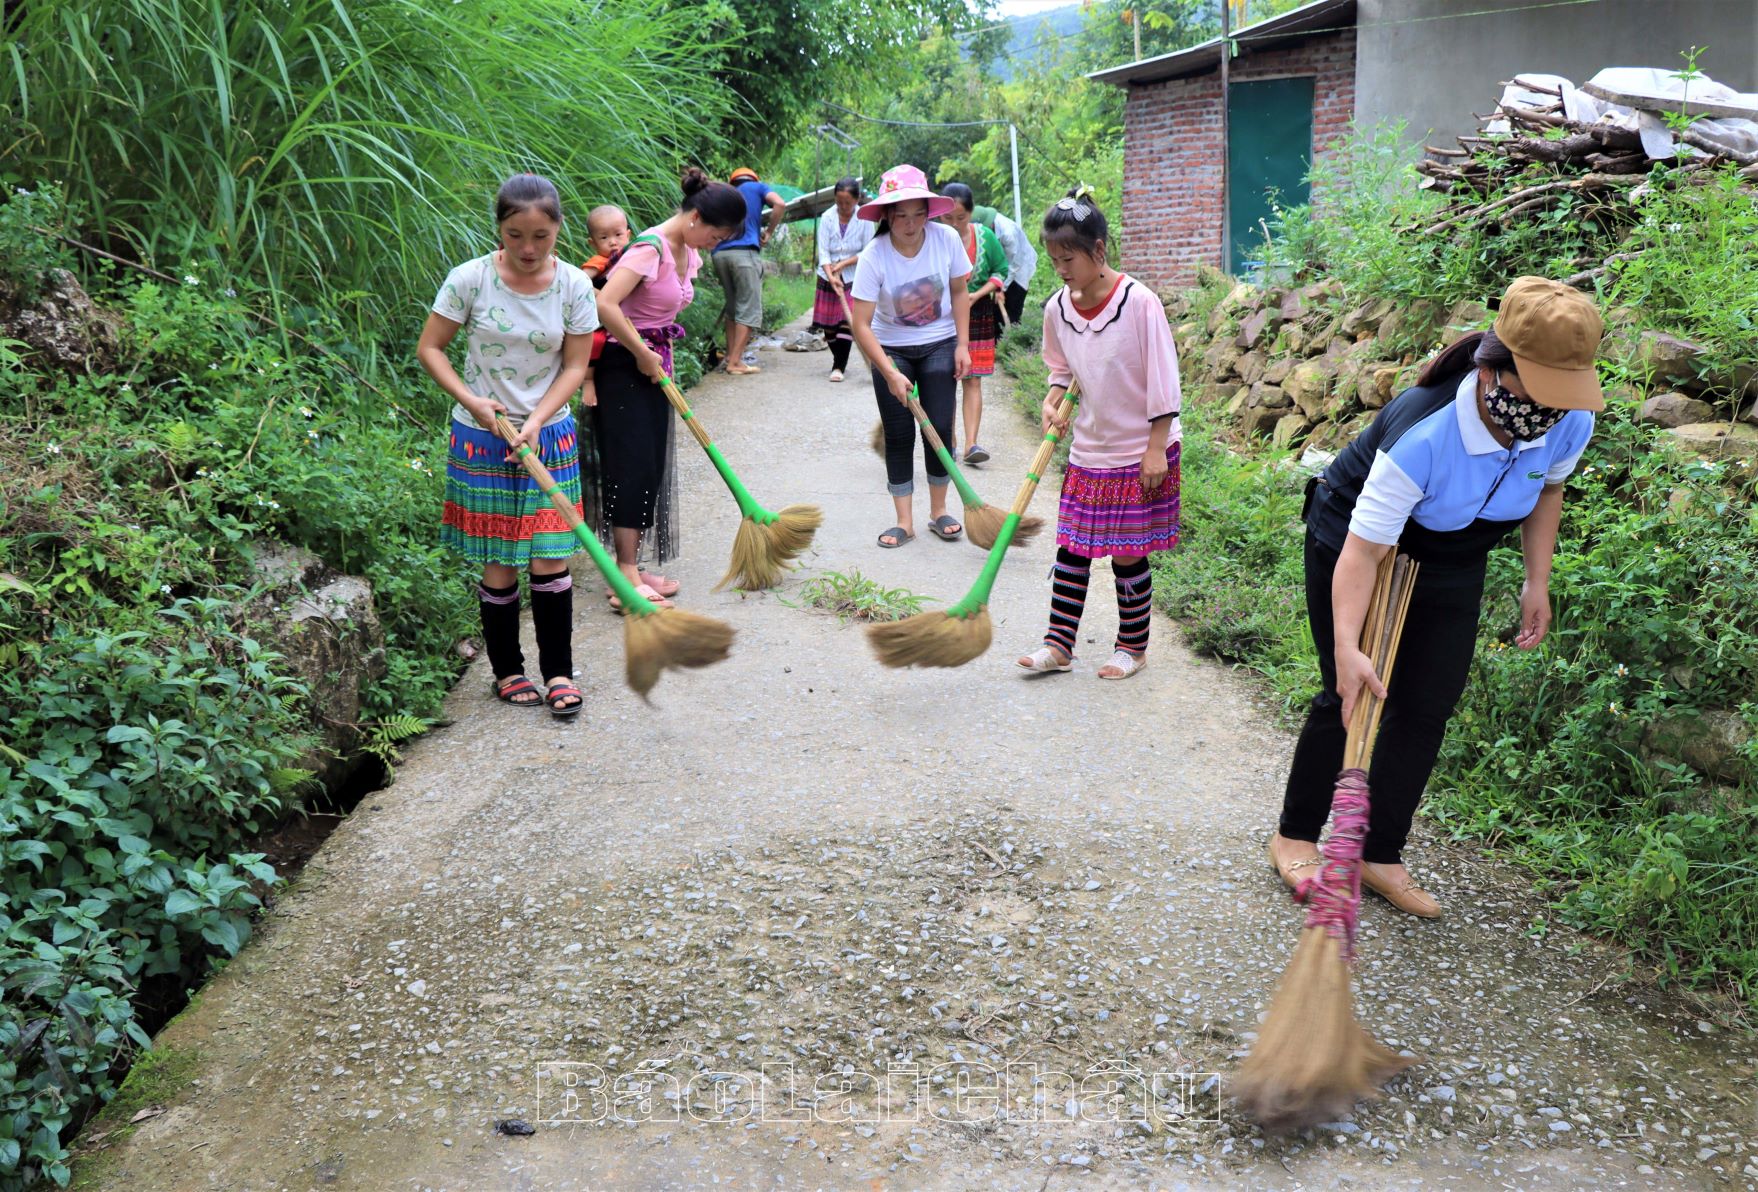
879, 439
791, 531
982, 526
670, 638
931, 639
1312, 1061
760, 551
753, 566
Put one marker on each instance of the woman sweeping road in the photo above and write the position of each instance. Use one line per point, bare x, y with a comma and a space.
841, 236
1482, 444
647, 289
528, 321
987, 283
911, 314
1109, 332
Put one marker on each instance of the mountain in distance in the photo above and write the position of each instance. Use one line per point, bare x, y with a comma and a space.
1030, 33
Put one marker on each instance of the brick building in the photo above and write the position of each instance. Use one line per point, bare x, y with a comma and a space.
1296, 82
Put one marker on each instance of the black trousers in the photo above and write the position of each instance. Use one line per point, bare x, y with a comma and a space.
1434, 661
933, 368
629, 424
1014, 300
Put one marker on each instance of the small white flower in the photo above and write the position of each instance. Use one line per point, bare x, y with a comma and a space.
165, 588
201, 471
274, 504
416, 464
231, 293
307, 410
127, 388
191, 281
1622, 670
54, 449
311, 434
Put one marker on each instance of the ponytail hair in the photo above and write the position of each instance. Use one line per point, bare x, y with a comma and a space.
1076, 222
526, 192
718, 204
1480, 349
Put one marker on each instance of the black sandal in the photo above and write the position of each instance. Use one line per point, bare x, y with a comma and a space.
516, 686
946, 527
560, 691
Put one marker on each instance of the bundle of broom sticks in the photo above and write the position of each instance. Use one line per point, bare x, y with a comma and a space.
1313, 1061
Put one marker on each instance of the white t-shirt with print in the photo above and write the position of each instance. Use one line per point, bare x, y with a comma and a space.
513, 341
910, 293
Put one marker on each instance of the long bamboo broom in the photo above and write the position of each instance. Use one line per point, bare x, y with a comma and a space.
1313, 1061
654, 638
982, 522
765, 541
954, 637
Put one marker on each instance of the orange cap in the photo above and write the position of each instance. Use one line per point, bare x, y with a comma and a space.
741, 173
1553, 331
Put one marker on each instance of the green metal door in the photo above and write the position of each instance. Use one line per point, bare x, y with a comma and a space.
1269, 150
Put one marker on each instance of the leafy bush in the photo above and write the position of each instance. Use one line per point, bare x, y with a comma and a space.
136, 759
29, 251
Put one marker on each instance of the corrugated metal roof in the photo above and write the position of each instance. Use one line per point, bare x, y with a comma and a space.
1292, 25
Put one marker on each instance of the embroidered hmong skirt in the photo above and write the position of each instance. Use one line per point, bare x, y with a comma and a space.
827, 313
1103, 511
985, 330
494, 511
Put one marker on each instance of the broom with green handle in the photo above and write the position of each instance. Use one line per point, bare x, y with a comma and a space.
960, 633
766, 542
654, 638
982, 522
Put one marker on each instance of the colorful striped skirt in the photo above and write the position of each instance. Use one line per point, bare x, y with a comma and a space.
494, 511
985, 330
1103, 511
827, 313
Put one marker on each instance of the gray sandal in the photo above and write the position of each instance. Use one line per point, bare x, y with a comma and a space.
939, 526
897, 534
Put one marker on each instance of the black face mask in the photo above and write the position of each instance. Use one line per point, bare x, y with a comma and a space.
1521, 417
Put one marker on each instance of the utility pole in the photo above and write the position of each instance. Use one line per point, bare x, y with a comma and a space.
1226, 144
1013, 148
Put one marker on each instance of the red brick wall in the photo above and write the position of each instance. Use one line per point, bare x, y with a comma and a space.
1172, 212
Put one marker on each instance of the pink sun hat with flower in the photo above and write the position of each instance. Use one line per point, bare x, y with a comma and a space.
900, 185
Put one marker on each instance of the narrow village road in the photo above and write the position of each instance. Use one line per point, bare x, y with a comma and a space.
727, 913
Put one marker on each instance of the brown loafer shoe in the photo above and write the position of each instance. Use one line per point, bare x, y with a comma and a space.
1407, 896
1294, 872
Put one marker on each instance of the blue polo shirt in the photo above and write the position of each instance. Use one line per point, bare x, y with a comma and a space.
751, 236
1428, 476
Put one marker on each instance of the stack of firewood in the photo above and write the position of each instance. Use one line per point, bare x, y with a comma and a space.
1600, 160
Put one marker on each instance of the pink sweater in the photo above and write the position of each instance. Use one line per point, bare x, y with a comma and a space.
1127, 367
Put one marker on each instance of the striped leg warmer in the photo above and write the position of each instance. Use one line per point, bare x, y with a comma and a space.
1135, 599
1068, 598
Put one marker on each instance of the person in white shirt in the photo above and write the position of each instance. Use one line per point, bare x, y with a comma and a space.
912, 322
841, 236
1022, 258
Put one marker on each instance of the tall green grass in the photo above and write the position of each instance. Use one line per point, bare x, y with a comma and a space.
344, 148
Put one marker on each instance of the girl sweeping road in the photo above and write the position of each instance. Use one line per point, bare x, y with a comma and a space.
1480, 445
1109, 332
911, 319
841, 236
529, 320
987, 284
647, 289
